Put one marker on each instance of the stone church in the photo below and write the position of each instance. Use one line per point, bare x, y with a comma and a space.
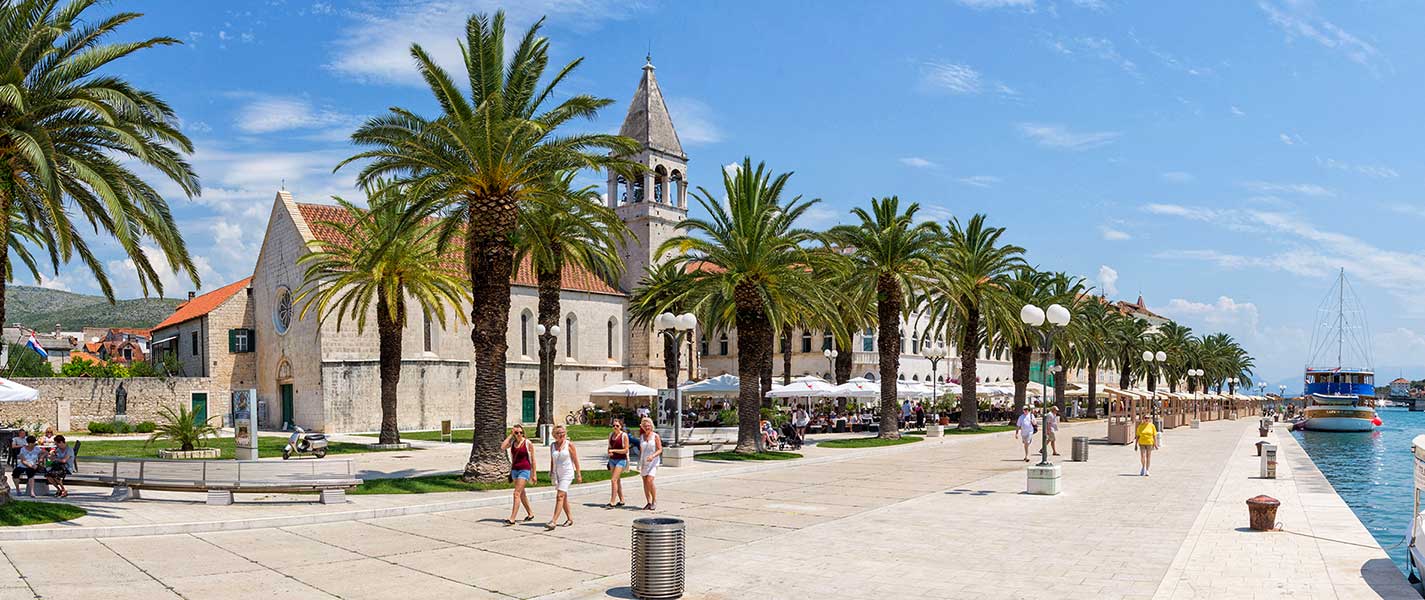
325, 377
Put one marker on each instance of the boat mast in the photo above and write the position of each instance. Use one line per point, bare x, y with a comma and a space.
1340, 317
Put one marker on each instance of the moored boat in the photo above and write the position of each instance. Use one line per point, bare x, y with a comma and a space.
1340, 397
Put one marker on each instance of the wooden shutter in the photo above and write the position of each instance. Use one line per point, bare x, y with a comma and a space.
232, 340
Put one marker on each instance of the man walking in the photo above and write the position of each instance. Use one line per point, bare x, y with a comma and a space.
1026, 430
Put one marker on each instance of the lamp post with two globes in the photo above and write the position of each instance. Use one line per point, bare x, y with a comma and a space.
935, 354
676, 328
831, 354
1046, 322
546, 336
1151, 357
1195, 376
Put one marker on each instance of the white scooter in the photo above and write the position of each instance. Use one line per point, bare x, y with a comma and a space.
302, 442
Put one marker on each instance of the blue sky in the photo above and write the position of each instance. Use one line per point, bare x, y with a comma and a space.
1220, 158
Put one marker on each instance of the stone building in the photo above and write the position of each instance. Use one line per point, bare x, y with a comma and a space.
212, 336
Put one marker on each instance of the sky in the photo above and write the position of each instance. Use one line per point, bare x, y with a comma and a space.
1221, 158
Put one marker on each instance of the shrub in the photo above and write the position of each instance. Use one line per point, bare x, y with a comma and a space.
180, 428
776, 417
145, 427
727, 418
142, 369
24, 362
100, 427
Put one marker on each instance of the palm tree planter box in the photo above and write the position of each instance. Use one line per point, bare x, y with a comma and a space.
196, 453
395, 446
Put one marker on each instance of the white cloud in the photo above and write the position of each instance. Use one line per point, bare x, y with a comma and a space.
1095, 47
918, 162
1224, 313
933, 212
268, 114
1094, 5
991, 4
1290, 139
694, 121
1051, 135
124, 275
1177, 177
1108, 280
375, 45
1236, 111
1195, 213
981, 181
1299, 19
952, 77
1113, 235
732, 168
1374, 171
1303, 189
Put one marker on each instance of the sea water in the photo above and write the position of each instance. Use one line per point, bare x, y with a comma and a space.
1373, 472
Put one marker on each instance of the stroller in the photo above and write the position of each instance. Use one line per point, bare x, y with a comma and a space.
789, 438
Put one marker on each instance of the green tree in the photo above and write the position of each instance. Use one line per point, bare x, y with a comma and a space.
752, 262
1029, 286
563, 226
1127, 340
383, 258
474, 163
664, 288
1068, 291
70, 137
971, 280
1091, 343
890, 253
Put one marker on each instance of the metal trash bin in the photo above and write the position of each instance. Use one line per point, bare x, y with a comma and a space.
659, 554
1080, 450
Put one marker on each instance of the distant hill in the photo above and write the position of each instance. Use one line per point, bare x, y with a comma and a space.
40, 308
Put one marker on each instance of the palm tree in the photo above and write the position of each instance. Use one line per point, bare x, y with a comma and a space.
1028, 286
1127, 341
889, 253
752, 263
383, 259
473, 164
1069, 292
1174, 340
972, 279
562, 226
1092, 343
664, 288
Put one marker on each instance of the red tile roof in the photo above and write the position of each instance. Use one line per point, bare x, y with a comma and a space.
575, 278
203, 305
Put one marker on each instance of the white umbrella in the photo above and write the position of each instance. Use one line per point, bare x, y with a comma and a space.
14, 392
723, 385
801, 387
625, 388
856, 387
910, 390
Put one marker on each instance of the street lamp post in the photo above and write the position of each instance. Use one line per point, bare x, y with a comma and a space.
1195, 375
1232, 391
551, 335
676, 327
1046, 323
935, 354
1281, 398
831, 354
1159, 357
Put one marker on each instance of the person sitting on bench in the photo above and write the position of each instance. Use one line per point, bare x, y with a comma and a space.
61, 464
29, 465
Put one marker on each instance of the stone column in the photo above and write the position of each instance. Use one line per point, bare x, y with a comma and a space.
648, 187
613, 190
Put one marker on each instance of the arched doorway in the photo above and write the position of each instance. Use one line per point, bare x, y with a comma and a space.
285, 393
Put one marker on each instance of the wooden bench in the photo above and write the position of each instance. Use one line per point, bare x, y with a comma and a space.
219, 478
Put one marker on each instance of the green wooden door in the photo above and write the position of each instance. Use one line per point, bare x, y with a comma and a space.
527, 406
200, 407
287, 411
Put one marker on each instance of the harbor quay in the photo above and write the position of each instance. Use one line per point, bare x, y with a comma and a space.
941, 518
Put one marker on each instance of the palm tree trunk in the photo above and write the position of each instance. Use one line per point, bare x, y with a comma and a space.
844, 359
786, 354
550, 283
388, 329
751, 324
969, 350
489, 259
764, 374
670, 360
888, 313
1020, 359
1061, 380
1093, 388
1125, 372
5, 196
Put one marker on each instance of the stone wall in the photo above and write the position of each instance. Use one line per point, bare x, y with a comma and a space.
70, 403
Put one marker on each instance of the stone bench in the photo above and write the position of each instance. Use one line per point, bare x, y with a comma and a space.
220, 479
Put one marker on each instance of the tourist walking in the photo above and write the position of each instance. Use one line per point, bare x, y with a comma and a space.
1146, 438
28, 465
650, 455
563, 471
1026, 430
800, 421
919, 416
61, 464
618, 462
1053, 429
522, 471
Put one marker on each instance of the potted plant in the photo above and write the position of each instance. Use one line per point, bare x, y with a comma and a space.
181, 429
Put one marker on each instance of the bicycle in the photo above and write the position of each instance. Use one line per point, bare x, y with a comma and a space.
576, 417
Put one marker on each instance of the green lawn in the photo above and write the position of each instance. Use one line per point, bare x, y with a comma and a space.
452, 483
868, 442
578, 433
23, 512
735, 456
982, 429
266, 446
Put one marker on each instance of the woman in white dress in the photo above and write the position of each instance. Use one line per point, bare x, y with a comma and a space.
650, 452
563, 470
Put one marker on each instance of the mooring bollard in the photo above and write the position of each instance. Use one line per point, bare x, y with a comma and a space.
659, 553
1080, 450
1262, 512
1269, 461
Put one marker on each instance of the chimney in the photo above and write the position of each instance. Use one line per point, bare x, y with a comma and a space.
190, 295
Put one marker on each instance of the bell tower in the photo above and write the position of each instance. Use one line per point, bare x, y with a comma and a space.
652, 206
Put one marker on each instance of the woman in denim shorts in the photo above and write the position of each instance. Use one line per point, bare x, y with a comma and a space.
618, 462
522, 470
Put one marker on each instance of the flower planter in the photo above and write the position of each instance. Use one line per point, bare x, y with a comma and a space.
196, 453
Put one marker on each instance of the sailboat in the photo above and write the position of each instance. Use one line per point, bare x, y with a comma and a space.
1340, 381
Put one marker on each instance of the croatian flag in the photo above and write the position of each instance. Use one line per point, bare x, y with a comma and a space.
34, 344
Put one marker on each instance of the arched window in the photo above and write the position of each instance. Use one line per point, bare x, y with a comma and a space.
826, 340
868, 340
571, 336
660, 185
429, 343
703, 345
613, 330
722, 345
524, 333
915, 378
869, 376
806, 340
915, 345
902, 332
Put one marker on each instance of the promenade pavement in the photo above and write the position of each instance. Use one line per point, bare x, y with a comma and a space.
941, 518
